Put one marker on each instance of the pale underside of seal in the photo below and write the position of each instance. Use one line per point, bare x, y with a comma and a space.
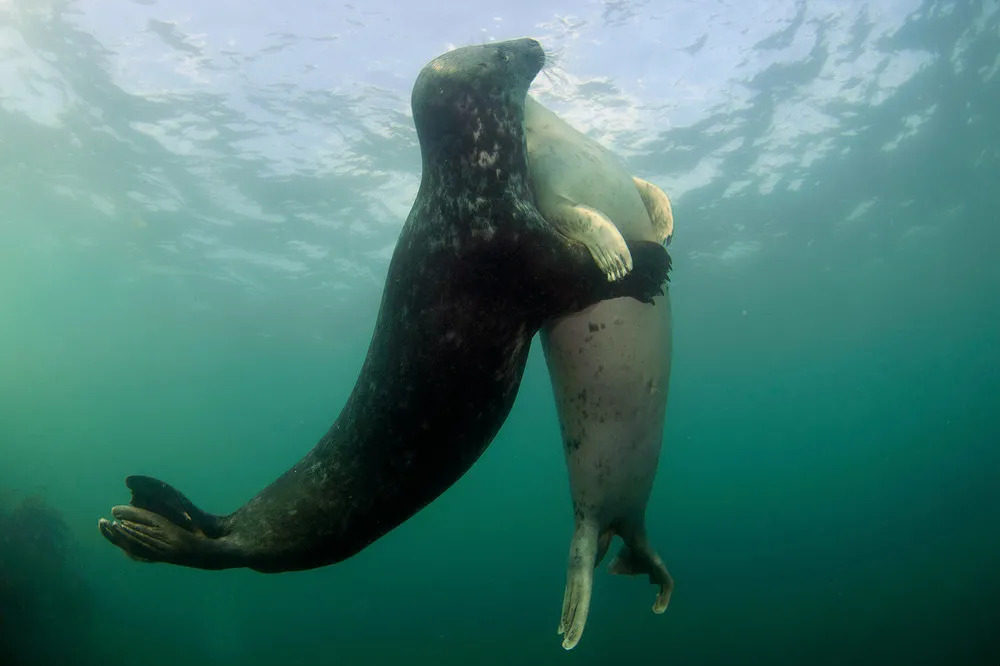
475, 273
609, 365
568, 170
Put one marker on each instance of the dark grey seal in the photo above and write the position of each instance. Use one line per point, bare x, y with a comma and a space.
476, 272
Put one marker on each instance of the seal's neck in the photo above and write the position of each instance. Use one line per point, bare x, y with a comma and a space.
480, 149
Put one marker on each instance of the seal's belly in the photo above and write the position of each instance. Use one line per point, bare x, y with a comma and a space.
576, 167
610, 370
605, 185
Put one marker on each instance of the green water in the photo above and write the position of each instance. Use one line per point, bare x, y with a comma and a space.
829, 491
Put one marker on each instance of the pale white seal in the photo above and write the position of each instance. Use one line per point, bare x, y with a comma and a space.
609, 364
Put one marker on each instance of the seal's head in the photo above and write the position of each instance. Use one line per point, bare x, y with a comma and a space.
473, 98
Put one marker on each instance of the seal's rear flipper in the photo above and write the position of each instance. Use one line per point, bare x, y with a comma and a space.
172, 530
603, 543
639, 558
579, 584
165, 500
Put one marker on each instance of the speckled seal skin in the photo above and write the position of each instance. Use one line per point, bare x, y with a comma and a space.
475, 273
609, 364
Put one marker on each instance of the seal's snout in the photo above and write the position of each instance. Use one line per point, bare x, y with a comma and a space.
536, 48
532, 48
529, 50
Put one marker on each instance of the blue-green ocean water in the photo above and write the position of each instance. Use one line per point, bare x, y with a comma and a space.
196, 208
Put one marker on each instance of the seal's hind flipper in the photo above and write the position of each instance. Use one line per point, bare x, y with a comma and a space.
625, 563
161, 525
658, 206
639, 558
603, 543
579, 585
163, 499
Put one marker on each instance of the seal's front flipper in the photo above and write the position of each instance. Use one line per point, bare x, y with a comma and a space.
579, 583
658, 206
600, 236
163, 499
650, 271
640, 558
578, 283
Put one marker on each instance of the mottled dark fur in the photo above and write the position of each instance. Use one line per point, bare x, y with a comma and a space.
475, 274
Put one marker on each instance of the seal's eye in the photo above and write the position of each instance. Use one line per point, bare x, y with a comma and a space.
503, 56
